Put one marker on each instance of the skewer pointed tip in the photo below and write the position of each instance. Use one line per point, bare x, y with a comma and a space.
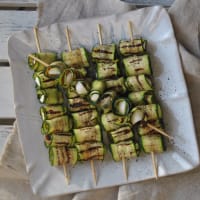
93, 172
160, 131
125, 168
67, 178
154, 163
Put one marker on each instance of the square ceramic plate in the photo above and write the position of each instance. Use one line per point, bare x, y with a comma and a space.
150, 23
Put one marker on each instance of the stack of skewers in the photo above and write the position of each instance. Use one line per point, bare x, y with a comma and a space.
76, 106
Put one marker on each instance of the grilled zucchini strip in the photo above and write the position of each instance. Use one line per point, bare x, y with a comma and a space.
50, 96
135, 65
90, 151
97, 90
50, 112
145, 113
70, 92
141, 97
143, 129
138, 83
117, 85
77, 58
129, 47
88, 134
121, 134
69, 75
111, 122
152, 143
79, 104
107, 70
55, 69
42, 81
62, 155
57, 125
82, 87
47, 57
104, 53
124, 149
106, 101
85, 118
58, 140
121, 106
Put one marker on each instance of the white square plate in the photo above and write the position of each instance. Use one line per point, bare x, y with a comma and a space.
150, 23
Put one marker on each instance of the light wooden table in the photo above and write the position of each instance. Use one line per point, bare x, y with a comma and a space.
18, 15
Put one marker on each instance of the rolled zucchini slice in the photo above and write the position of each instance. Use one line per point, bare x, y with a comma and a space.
111, 122
85, 118
135, 65
145, 113
47, 57
121, 106
42, 81
106, 101
62, 155
69, 75
88, 134
105, 53
55, 69
107, 70
70, 92
50, 96
117, 85
138, 83
58, 140
50, 112
79, 104
82, 87
60, 124
143, 129
121, 134
97, 90
90, 151
142, 97
125, 150
77, 58
152, 143
129, 47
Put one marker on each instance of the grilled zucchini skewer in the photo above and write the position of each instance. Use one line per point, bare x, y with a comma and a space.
135, 46
102, 55
68, 155
81, 54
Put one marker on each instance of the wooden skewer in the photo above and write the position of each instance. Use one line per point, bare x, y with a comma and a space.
68, 39
38, 60
130, 25
67, 178
125, 167
155, 167
160, 131
99, 33
93, 171
91, 161
123, 158
35, 30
